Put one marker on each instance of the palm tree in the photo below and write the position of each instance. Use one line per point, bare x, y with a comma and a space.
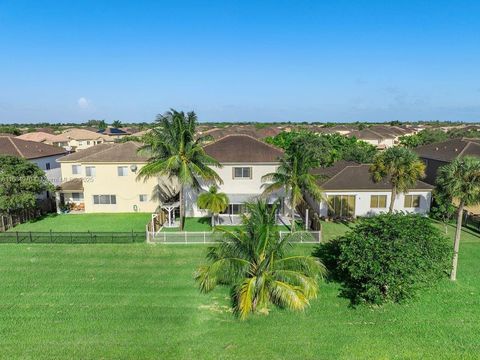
294, 175
461, 180
214, 201
117, 124
253, 261
401, 167
175, 152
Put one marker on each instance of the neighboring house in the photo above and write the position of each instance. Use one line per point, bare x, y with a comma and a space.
245, 160
114, 133
37, 136
43, 155
350, 192
104, 179
439, 154
79, 139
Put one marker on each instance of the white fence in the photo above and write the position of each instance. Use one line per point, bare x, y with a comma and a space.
204, 237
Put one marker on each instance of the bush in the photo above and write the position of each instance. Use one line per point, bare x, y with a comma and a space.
387, 258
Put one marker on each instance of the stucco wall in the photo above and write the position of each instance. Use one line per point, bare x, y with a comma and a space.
231, 186
362, 202
126, 189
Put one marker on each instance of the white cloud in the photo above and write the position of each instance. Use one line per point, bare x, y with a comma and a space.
83, 103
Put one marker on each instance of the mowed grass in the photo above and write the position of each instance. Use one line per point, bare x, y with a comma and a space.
140, 301
88, 222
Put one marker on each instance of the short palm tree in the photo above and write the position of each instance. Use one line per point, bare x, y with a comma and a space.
253, 261
461, 180
176, 153
214, 201
294, 175
401, 166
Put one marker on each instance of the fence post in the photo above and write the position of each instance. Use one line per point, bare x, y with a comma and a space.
91, 236
185, 237
204, 237
133, 239
30, 233
51, 239
71, 237
17, 237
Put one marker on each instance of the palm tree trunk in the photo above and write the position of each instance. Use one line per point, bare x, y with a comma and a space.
392, 200
456, 244
292, 214
182, 207
213, 220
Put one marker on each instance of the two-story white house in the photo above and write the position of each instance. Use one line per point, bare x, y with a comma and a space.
349, 192
245, 160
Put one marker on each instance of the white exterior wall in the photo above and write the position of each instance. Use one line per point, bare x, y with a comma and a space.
232, 186
362, 202
42, 162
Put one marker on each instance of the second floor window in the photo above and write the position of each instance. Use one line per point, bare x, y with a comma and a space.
76, 169
47, 166
90, 171
122, 170
242, 172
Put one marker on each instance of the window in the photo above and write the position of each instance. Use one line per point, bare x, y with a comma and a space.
90, 171
143, 198
104, 199
378, 201
47, 166
122, 170
77, 196
341, 205
412, 201
242, 172
88, 142
76, 169
234, 209
80, 143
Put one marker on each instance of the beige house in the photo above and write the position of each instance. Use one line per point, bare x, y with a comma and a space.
103, 179
78, 139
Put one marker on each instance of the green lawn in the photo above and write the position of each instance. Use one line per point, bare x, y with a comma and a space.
88, 222
140, 301
204, 224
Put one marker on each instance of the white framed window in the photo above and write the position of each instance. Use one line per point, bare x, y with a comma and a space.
90, 171
104, 199
412, 201
143, 197
80, 143
122, 170
242, 172
77, 196
88, 142
378, 201
76, 169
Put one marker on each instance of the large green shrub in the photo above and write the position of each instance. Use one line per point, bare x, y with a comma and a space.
387, 258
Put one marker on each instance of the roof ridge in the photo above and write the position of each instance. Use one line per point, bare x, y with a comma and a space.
341, 171
249, 136
16, 147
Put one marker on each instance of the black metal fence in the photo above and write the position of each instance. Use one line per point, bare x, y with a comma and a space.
53, 237
471, 222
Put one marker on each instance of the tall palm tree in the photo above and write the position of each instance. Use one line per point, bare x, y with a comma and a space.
117, 124
461, 180
214, 201
401, 166
175, 152
255, 263
294, 175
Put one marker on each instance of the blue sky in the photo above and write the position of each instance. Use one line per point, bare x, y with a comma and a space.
240, 60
